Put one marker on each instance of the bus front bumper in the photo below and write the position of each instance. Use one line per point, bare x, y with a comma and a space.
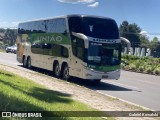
92, 74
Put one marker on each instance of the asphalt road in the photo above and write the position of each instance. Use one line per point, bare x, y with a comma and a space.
141, 89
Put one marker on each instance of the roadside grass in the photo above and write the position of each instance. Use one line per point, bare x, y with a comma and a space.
21, 94
1, 50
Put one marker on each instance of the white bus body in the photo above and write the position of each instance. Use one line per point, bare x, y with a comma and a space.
83, 46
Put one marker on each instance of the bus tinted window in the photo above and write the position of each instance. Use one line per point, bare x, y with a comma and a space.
36, 48
60, 51
75, 24
100, 28
50, 49
65, 52
56, 26
32, 27
46, 46
37, 27
47, 49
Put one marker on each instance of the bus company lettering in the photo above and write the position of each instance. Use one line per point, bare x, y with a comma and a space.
51, 38
105, 40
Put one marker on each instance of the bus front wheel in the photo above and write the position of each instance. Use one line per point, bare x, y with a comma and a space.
65, 72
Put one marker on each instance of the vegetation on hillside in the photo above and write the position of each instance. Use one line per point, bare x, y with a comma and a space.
147, 65
134, 34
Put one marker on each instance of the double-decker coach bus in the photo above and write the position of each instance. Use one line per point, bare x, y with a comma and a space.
83, 46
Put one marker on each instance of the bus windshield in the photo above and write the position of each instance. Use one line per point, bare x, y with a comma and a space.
100, 28
104, 54
94, 27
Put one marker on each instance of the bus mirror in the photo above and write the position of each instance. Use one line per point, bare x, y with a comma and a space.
83, 37
127, 42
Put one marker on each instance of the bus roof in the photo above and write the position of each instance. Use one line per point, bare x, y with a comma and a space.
68, 16
85, 15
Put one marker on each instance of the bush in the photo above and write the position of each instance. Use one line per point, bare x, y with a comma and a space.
123, 65
138, 63
148, 70
157, 71
126, 67
142, 64
141, 68
132, 67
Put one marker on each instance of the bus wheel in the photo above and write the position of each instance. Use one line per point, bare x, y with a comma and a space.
29, 66
56, 70
65, 72
24, 62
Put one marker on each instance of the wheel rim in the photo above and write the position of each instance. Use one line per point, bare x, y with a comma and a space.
29, 63
66, 73
24, 62
57, 70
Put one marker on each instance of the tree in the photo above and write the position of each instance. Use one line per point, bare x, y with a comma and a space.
155, 47
131, 32
145, 43
2, 30
10, 36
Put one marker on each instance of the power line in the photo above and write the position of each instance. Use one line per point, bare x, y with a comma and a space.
139, 33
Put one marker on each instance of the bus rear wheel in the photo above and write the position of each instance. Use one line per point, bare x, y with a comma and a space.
24, 62
56, 70
29, 66
65, 72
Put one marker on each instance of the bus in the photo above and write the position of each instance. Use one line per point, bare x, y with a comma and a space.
82, 46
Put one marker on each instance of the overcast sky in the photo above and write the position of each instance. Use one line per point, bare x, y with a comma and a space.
145, 13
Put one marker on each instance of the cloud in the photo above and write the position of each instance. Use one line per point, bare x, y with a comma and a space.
150, 36
77, 1
5, 24
144, 34
91, 3
96, 4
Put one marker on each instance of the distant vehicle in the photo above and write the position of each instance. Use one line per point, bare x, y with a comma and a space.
83, 46
8, 49
11, 49
14, 49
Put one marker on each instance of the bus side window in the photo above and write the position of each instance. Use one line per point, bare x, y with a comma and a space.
56, 26
64, 52
47, 48
36, 48
74, 46
56, 50
78, 48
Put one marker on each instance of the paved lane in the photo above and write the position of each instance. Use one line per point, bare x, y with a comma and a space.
141, 89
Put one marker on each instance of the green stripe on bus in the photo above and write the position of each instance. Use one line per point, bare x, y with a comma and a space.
52, 38
104, 68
